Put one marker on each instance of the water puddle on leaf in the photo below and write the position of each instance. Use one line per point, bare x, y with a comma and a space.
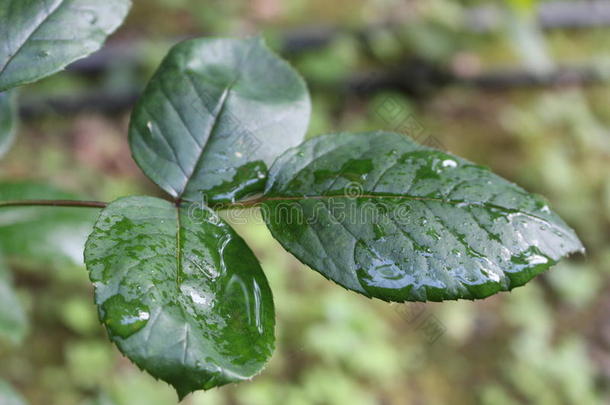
123, 317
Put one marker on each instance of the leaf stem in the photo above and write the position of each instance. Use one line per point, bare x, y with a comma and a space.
53, 203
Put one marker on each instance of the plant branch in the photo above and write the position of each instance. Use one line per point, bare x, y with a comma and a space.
53, 203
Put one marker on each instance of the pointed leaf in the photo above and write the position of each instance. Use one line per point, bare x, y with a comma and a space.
43, 237
8, 120
41, 37
13, 322
388, 218
180, 293
215, 116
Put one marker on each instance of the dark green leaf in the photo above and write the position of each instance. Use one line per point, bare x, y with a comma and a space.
214, 116
41, 37
8, 396
8, 120
388, 218
13, 322
43, 237
180, 293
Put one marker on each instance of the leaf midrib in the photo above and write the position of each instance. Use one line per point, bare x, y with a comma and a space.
220, 107
29, 36
178, 248
263, 200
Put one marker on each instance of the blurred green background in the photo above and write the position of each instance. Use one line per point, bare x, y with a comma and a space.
484, 80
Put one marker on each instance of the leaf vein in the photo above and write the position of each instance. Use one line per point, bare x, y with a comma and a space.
20, 47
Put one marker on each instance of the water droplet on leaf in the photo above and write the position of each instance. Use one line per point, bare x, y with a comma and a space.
124, 318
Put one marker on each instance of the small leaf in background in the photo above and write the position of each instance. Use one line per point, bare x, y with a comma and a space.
388, 218
41, 37
43, 237
527, 36
79, 315
8, 120
13, 321
8, 396
215, 116
180, 293
89, 361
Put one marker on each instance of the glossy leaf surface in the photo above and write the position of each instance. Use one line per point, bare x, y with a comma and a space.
43, 237
41, 37
8, 120
180, 293
388, 218
215, 115
13, 322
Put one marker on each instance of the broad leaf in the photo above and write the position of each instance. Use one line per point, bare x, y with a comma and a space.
388, 218
41, 37
8, 120
180, 293
13, 322
8, 396
215, 116
43, 237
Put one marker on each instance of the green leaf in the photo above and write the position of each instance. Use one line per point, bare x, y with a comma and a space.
43, 237
388, 218
41, 37
8, 120
214, 116
180, 293
8, 396
13, 322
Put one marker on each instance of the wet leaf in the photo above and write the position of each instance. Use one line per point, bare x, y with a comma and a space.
13, 321
388, 218
180, 293
43, 237
215, 116
8, 120
41, 37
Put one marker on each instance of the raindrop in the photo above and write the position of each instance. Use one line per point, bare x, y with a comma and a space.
456, 253
123, 317
198, 297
